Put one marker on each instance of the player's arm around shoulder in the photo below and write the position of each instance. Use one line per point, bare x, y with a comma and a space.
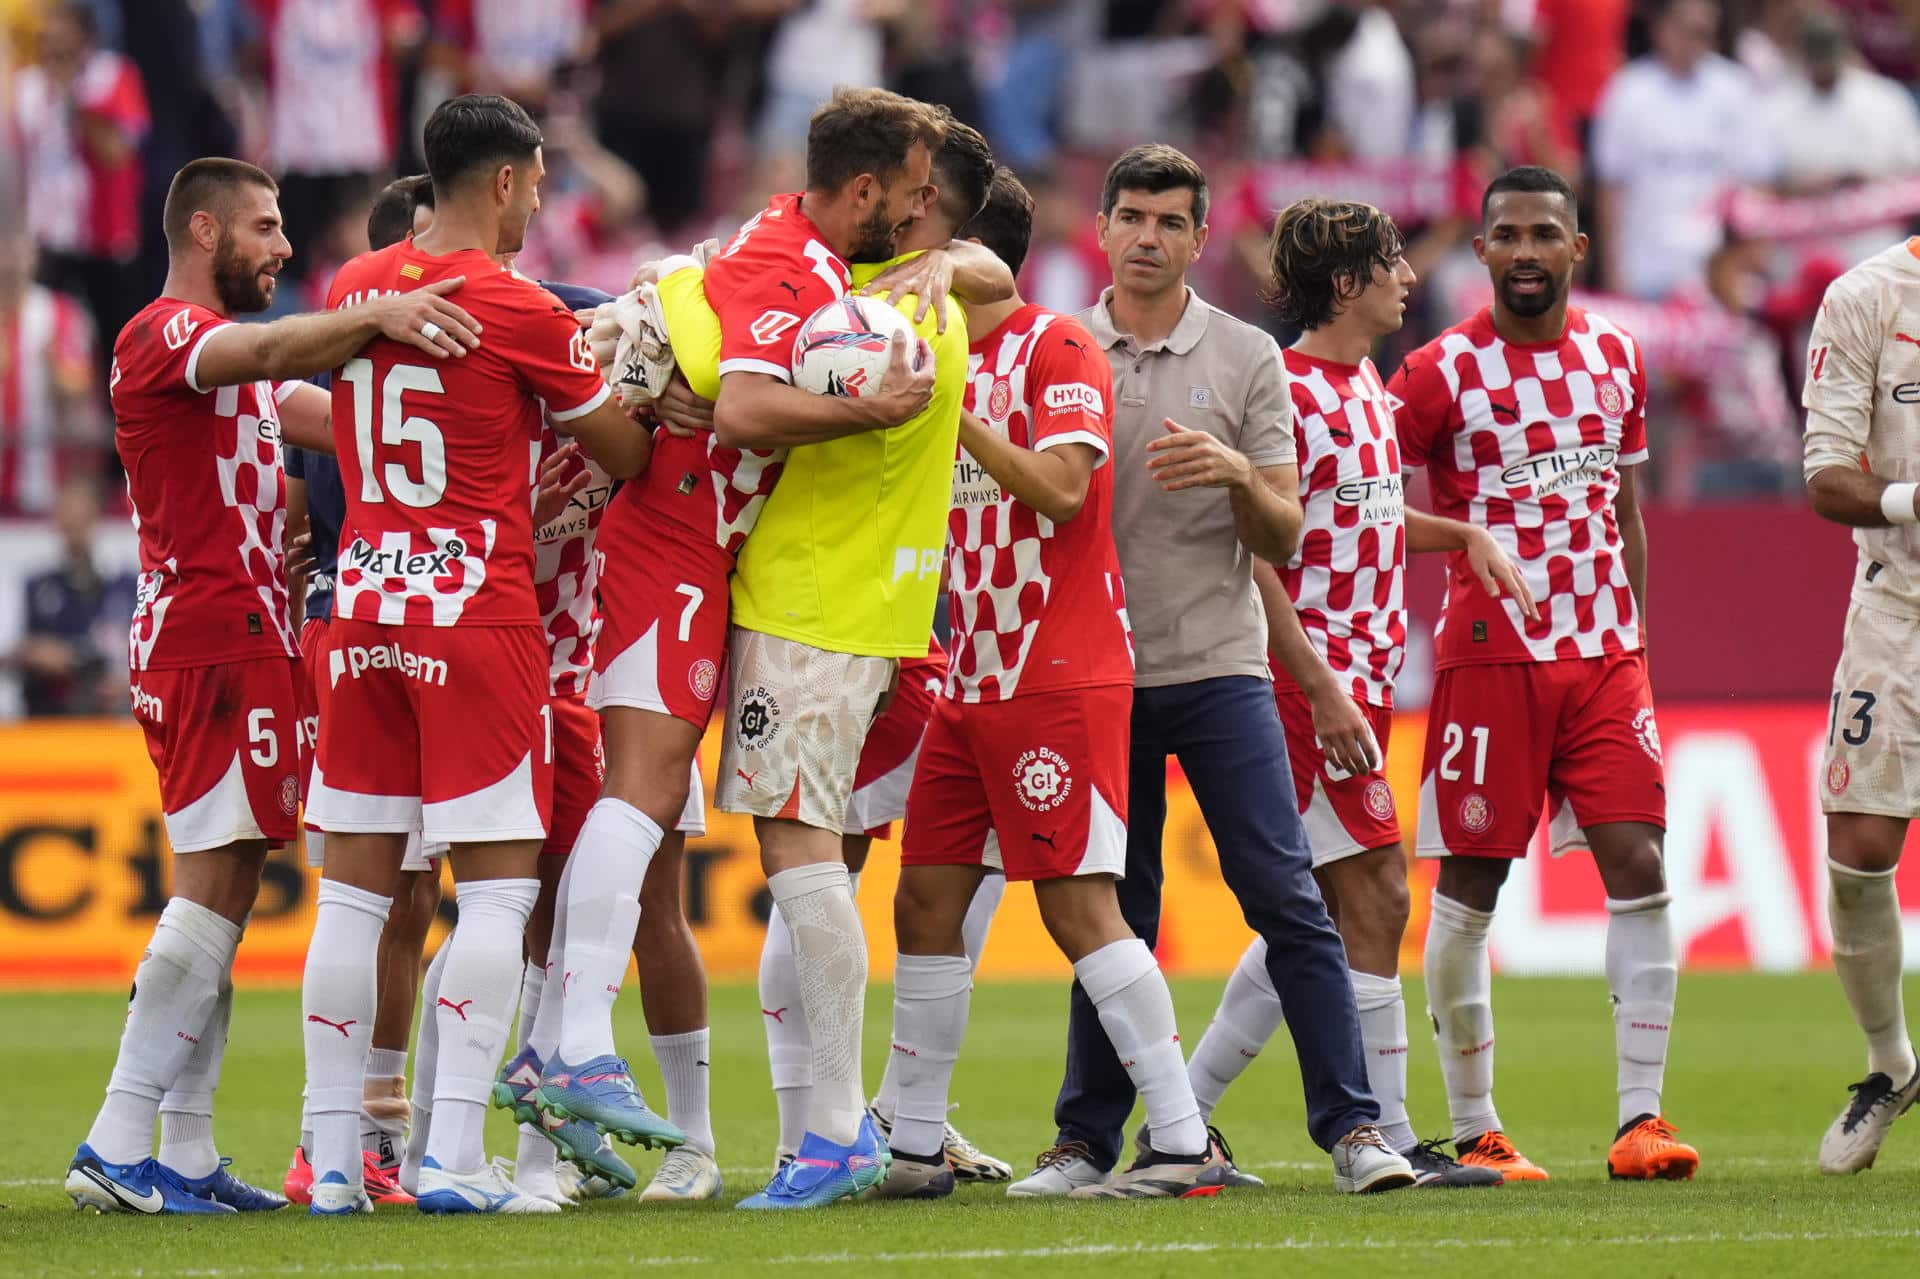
1842, 375
302, 345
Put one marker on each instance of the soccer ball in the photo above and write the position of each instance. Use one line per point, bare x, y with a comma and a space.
844, 347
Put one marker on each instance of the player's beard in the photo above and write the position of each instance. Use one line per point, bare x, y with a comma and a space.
1528, 305
237, 281
874, 242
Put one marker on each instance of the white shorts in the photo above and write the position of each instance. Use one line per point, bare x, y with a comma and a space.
1873, 729
797, 718
419, 855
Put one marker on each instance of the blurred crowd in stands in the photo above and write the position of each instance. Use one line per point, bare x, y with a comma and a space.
1732, 157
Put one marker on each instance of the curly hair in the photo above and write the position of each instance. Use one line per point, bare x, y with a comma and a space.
1323, 254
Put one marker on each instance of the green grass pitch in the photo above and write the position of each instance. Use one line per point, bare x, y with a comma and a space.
1760, 1065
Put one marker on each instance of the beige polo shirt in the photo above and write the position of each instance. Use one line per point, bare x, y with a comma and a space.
1190, 592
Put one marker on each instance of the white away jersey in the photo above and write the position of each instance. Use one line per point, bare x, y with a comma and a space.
1862, 397
1346, 576
1527, 442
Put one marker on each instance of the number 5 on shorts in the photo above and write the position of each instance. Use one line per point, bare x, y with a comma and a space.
695, 598
1454, 739
266, 743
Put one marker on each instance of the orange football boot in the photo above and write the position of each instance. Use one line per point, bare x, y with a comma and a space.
383, 1187
1646, 1149
1493, 1150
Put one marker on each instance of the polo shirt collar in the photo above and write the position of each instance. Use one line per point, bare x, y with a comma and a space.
1185, 336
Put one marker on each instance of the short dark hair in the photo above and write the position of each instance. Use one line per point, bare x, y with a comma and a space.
963, 170
1153, 168
860, 131
208, 184
390, 220
1531, 179
1005, 223
477, 132
1323, 254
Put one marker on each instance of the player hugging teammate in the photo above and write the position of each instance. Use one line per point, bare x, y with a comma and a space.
503, 620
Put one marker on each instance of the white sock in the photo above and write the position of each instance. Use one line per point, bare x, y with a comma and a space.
426, 1055
175, 989
474, 1008
1643, 969
609, 860
186, 1112
543, 1026
973, 936
1460, 1002
789, 1046
1864, 910
338, 999
830, 961
1130, 993
1383, 1036
931, 994
1248, 1015
683, 1066
533, 987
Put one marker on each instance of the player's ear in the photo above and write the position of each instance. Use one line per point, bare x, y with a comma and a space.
205, 229
1480, 248
1580, 247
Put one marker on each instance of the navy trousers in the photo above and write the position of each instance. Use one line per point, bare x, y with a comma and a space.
1226, 734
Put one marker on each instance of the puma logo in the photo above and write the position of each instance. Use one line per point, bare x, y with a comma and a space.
1510, 410
340, 1026
1078, 346
1906, 337
1046, 839
778, 1014
1339, 434
790, 289
748, 777
460, 1008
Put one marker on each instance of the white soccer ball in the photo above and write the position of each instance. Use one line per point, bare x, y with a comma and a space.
844, 347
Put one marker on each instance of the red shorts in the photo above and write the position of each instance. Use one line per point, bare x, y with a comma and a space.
1502, 739
885, 773
313, 650
664, 609
225, 740
579, 766
1035, 786
1343, 814
441, 729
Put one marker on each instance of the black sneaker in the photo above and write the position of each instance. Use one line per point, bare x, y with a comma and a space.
1234, 1176
1433, 1166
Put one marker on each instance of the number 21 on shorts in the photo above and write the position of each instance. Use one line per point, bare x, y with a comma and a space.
1453, 740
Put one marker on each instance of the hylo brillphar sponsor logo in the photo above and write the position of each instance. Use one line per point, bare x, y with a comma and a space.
1066, 397
1043, 779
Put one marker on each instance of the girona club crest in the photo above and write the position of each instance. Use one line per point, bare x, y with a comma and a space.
1838, 775
1378, 798
1476, 813
701, 678
999, 399
289, 794
1613, 401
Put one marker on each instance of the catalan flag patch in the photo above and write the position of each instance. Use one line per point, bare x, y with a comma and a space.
413, 271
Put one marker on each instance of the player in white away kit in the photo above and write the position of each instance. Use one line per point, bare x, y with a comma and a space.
1862, 397
1337, 633
1024, 767
1530, 417
198, 422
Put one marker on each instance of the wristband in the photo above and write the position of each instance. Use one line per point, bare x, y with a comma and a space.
1896, 503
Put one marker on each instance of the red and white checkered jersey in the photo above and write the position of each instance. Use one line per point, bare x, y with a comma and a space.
775, 273
1347, 574
438, 456
1527, 442
566, 574
209, 497
1034, 605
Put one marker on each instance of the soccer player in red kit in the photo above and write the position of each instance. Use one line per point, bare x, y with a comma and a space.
1530, 417
435, 711
1024, 767
1336, 629
200, 406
